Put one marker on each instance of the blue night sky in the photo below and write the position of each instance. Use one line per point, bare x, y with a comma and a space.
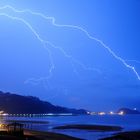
78, 71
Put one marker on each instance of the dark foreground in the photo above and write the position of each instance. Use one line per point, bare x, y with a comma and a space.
133, 135
37, 135
48, 135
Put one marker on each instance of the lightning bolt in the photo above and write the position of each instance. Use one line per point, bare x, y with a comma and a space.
74, 27
45, 43
135, 61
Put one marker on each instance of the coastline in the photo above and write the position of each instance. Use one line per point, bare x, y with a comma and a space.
131, 135
48, 135
85, 131
41, 135
36, 135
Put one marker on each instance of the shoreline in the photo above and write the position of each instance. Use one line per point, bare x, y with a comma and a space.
30, 134
41, 135
128, 135
48, 135
36, 135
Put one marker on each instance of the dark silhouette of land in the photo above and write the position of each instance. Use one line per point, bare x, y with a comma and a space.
18, 104
128, 111
133, 135
37, 135
90, 127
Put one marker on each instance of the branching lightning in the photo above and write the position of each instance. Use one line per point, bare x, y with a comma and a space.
36, 81
43, 42
71, 59
135, 61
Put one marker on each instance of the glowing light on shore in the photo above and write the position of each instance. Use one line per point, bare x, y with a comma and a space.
101, 113
1, 112
111, 113
121, 113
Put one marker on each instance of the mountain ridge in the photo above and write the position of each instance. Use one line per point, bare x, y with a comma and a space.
15, 104
128, 111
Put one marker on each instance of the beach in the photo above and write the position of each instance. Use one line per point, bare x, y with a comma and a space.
77, 127
29, 134
132, 135
35, 135
39, 135
48, 135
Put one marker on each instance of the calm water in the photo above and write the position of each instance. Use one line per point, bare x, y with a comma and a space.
128, 122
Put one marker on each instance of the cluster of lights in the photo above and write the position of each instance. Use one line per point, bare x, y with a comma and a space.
60, 114
101, 113
105, 113
121, 113
111, 113
36, 115
3, 114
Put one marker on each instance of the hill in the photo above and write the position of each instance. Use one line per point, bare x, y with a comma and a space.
18, 104
128, 111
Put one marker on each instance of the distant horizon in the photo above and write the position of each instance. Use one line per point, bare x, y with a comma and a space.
92, 110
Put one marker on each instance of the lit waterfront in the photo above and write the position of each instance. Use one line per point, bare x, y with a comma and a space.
59, 114
47, 123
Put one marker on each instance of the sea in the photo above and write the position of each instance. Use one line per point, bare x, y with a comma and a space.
128, 122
